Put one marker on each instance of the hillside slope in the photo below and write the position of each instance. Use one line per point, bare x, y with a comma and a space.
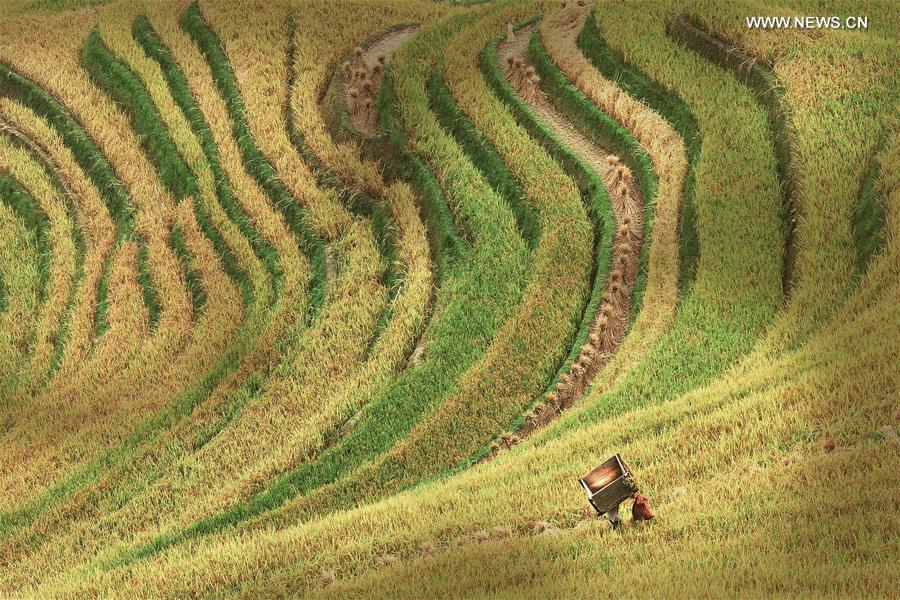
304, 298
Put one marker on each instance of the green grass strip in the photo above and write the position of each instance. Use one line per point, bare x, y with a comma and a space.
257, 164
62, 192
475, 302
738, 287
194, 285
126, 89
63, 334
225, 364
769, 93
596, 199
27, 209
869, 216
35, 221
151, 431
446, 235
357, 201
609, 134
112, 77
669, 105
98, 169
483, 155
181, 92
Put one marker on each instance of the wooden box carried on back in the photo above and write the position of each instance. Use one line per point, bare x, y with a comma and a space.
608, 485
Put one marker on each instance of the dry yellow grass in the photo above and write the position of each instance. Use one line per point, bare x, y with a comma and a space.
318, 53
314, 55
48, 51
721, 441
832, 150
386, 355
186, 369
295, 266
359, 251
262, 77
728, 441
329, 351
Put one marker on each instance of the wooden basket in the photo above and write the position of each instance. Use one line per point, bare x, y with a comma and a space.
609, 485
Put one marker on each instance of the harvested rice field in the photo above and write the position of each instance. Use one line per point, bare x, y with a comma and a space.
463, 299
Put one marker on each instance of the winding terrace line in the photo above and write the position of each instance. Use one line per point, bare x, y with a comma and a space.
769, 93
592, 47
356, 198
78, 230
383, 139
385, 46
369, 64
96, 166
610, 323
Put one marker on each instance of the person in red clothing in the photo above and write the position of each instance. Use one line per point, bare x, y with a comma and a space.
640, 510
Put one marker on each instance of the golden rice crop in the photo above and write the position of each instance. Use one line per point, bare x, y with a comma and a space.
93, 216
19, 272
411, 303
746, 413
348, 309
666, 150
18, 163
112, 133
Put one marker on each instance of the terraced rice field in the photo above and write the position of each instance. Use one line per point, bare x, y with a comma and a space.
340, 299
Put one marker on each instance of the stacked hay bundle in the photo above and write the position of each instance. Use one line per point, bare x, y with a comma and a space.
362, 82
524, 80
611, 321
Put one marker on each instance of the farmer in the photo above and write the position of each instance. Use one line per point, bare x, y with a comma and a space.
640, 511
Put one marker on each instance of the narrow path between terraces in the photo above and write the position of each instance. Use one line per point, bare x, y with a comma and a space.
362, 77
610, 323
